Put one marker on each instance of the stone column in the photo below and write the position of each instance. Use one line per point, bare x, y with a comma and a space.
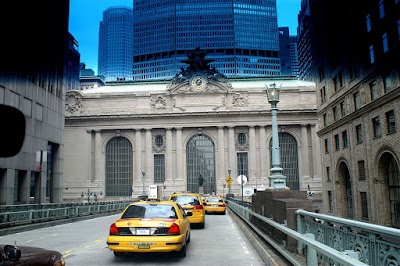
138, 161
221, 156
179, 154
232, 151
149, 160
252, 155
304, 159
98, 166
168, 157
316, 150
264, 171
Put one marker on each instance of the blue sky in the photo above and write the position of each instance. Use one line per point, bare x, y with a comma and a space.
85, 17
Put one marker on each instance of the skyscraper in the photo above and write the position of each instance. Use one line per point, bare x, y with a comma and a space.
288, 52
241, 36
115, 44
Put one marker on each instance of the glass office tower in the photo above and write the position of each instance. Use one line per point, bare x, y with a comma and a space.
115, 44
240, 35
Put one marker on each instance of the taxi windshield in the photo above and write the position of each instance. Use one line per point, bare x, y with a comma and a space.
215, 200
186, 200
150, 211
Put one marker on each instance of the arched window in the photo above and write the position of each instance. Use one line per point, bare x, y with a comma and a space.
200, 160
289, 159
119, 173
394, 191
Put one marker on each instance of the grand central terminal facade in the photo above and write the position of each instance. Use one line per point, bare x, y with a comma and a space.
122, 137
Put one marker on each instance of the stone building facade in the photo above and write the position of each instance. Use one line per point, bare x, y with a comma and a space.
121, 138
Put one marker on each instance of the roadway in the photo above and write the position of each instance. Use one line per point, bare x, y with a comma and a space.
222, 242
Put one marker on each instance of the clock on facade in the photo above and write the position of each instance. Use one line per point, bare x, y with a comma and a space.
198, 82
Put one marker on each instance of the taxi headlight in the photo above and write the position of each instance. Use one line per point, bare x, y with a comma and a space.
58, 260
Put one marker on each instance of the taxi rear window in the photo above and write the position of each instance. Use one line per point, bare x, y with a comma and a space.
215, 200
186, 200
150, 211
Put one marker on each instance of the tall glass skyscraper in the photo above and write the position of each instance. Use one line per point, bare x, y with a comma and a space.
115, 44
240, 35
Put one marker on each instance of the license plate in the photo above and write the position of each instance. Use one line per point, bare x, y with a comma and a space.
142, 231
214, 205
143, 246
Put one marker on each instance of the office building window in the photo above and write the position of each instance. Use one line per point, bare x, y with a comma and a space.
361, 170
337, 142
359, 134
398, 28
344, 139
385, 42
342, 109
381, 9
376, 123
356, 100
373, 88
364, 205
326, 146
330, 200
368, 22
328, 174
391, 122
159, 168
371, 54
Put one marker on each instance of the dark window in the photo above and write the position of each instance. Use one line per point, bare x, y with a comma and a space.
373, 87
326, 146
368, 22
359, 134
159, 168
391, 122
361, 170
159, 141
330, 200
387, 83
328, 174
376, 123
364, 205
242, 138
325, 120
344, 139
342, 109
242, 164
323, 94
337, 142
356, 100
335, 113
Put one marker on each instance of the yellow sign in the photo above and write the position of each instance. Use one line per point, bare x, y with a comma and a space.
228, 180
229, 185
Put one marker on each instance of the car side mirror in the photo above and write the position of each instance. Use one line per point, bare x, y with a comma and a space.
12, 252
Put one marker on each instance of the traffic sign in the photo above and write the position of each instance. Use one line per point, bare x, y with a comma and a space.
240, 178
228, 179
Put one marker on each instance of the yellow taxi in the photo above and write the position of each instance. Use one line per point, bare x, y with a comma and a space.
193, 203
150, 226
215, 204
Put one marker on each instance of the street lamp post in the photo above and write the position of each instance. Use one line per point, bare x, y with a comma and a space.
277, 179
143, 189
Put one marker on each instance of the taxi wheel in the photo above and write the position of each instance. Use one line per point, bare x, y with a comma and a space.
119, 254
201, 226
224, 213
188, 239
182, 252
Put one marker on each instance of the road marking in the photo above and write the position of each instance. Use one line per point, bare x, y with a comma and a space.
84, 246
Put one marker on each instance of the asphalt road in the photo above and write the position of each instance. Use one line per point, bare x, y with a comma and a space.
221, 242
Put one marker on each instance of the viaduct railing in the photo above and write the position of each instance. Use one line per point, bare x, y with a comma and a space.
328, 240
11, 216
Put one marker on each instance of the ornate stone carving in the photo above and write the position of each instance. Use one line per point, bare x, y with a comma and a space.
73, 102
188, 80
158, 102
240, 100
242, 139
158, 141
